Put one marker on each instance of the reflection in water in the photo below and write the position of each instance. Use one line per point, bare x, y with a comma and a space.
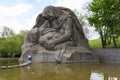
96, 76
100, 76
55, 72
113, 78
73, 71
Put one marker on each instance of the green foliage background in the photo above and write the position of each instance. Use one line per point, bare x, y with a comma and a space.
105, 17
11, 46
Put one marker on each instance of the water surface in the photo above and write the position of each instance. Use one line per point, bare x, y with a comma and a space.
68, 71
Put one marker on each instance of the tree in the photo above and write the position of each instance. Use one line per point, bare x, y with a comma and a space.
105, 17
80, 17
11, 46
6, 32
82, 20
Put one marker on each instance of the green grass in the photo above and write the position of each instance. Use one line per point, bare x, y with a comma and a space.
97, 43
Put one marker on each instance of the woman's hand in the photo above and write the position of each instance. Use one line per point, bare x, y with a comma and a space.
49, 45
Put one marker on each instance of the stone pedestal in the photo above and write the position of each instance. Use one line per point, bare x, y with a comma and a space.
76, 57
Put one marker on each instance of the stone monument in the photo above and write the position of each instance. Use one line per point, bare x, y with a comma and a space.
57, 36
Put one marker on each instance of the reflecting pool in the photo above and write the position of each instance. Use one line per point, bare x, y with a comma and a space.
65, 71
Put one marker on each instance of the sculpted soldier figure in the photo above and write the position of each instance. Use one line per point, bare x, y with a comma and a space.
57, 30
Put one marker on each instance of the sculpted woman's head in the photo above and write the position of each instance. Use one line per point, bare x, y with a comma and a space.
50, 13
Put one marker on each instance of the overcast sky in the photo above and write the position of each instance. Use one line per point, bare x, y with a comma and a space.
21, 14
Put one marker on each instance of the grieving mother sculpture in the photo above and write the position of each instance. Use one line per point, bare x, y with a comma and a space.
57, 31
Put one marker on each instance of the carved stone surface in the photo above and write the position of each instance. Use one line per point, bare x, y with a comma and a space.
56, 36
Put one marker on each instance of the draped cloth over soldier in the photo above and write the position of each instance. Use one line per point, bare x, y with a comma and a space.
58, 31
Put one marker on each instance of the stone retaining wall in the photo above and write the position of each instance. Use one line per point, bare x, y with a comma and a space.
8, 59
99, 55
108, 55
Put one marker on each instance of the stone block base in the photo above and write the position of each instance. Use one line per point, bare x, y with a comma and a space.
76, 57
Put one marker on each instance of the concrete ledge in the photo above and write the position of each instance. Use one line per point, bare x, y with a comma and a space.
8, 59
76, 57
99, 55
108, 55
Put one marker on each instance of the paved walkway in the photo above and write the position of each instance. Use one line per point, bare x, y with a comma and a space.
16, 66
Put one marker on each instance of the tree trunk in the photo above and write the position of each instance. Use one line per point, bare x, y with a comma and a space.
113, 37
102, 39
4, 55
114, 42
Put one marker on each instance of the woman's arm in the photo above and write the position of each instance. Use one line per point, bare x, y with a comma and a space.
63, 38
68, 32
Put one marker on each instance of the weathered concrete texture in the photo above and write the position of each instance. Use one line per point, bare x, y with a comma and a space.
8, 59
108, 55
99, 55
77, 57
57, 32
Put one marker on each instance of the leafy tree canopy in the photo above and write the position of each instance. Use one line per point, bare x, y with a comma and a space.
105, 16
